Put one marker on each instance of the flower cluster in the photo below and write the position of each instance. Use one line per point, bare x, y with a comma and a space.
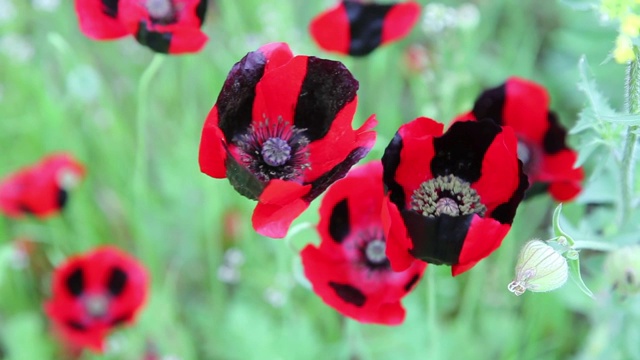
165, 26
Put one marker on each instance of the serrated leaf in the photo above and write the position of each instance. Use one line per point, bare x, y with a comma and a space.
586, 151
586, 121
574, 270
597, 102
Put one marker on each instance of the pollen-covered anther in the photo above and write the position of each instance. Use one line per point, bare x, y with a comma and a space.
448, 195
375, 251
274, 150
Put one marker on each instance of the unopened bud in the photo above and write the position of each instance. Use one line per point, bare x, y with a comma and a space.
622, 267
539, 269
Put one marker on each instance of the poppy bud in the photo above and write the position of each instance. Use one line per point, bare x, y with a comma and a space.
622, 268
539, 269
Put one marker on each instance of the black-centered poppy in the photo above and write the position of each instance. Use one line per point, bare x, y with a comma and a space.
357, 28
165, 26
94, 292
548, 161
349, 270
42, 189
281, 132
453, 195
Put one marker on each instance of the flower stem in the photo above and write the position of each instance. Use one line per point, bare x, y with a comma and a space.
633, 104
432, 315
593, 245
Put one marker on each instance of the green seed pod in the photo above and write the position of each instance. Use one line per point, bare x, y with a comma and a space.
539, 269
622, 268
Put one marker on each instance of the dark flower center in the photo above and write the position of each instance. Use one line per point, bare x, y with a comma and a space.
448, 195
274, 150
96, 305
161, 11
372, 247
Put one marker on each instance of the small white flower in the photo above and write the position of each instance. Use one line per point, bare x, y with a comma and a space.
539, 269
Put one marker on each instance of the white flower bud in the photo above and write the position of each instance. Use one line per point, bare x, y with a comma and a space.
539, 269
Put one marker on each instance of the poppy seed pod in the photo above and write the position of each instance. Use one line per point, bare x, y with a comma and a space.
622, 268
539, 269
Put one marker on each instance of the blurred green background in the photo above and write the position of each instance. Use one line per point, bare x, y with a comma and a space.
219, 290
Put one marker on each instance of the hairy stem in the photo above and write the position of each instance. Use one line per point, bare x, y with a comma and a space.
633, 104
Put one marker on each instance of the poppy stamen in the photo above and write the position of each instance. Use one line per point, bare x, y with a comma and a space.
448, 195
375, 251
274, 150
96, 305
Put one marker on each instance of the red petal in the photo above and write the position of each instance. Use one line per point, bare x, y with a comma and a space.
500, 171
331, 30
399, 245
399, 21
280, 203
277, 54
278, 90
557, 170
526, 108
187, 40
213, 151
484, 237
416, 154
95, 24
333, 148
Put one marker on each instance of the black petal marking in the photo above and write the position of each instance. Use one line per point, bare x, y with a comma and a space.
110, 8
158, 42
390, 163
327, 87
339, 222
366, 22
75, 282
461, 149
201, 10
409, 285
437, 240
76, 325
235, 101
117, 281
555, 136
348, 293
505, 212
490, 104
62, 198
338, 172
121, 319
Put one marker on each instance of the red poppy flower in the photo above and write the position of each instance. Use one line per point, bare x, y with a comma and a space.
94, 292
349, 270
42, 189
356, 28
165, 26
281, 132
548, 161
453, 195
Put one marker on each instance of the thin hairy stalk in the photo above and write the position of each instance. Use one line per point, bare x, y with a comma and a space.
627, 168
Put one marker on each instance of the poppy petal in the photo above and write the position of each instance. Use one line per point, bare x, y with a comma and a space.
99, 19
330, 29
212, 153
399, 245
399, 21
484, 236
279, 204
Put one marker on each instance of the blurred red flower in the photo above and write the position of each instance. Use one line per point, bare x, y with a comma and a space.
281, 132
349, 270
94, 292
165, 26
453, 195
548, 161
41, 189
357, 28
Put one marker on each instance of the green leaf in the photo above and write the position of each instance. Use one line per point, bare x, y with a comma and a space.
557, 230
629, 119
586, 151
598, 103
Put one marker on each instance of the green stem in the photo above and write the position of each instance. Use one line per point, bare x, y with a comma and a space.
627, 168
594, 245
142, 114
432, 315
